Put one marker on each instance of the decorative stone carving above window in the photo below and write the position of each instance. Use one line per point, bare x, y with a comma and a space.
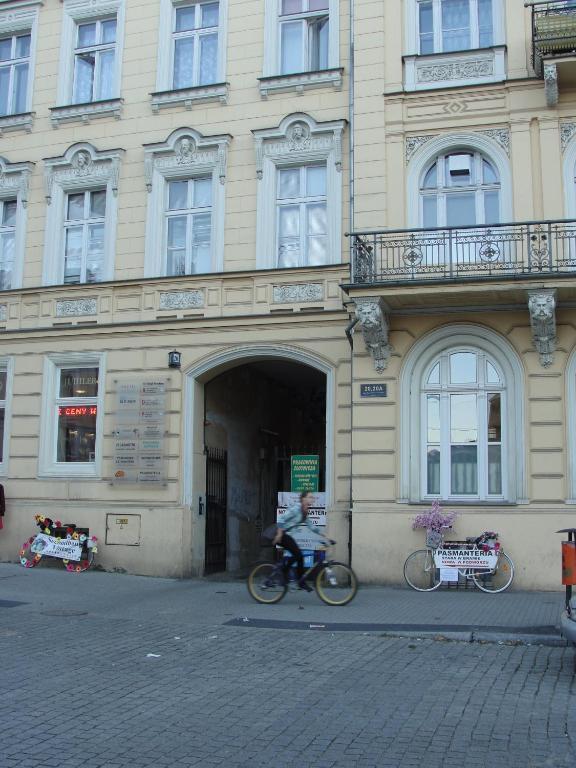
14, 179
294, 294
186, 153
501, 136
301, 82
443, 70
372, 316
187, 97
415, 142
22, 121
181, 300
567, 131
542, 308
551, 84
76, 307
300, 139
82, 166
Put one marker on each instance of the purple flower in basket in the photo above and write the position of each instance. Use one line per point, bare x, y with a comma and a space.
434, 519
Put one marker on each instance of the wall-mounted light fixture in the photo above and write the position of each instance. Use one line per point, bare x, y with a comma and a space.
174, 359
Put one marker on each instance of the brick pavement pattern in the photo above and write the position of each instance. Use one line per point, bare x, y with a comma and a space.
79, 689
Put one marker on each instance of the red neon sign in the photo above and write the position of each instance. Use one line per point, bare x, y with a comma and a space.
77, 410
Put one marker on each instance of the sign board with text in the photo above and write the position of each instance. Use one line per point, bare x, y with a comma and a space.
305, 472
139, 452
465, 558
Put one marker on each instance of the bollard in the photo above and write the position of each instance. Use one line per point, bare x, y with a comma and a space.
569, 563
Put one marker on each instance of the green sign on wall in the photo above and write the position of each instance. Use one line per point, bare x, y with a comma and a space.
305, 473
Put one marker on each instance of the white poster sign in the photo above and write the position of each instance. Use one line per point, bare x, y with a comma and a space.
465, 558
66, 549
316, 514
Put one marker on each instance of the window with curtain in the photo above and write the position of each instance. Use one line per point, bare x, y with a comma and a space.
14, 70
455, 25
95, 61
302, 229
189, 226
195, 45
84, 229
304, 35
460, 189
463, 399
8, 210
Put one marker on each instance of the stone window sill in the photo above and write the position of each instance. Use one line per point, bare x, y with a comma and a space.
185, 97
459, 68
301, 81
20, 122
86, 112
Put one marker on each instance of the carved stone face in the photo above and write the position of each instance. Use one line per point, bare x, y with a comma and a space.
186, 148
81, 159
367, 315
542, 307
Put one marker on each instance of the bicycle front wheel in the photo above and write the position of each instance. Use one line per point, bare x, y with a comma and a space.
420, 571
497, 580
266, 583
336, 584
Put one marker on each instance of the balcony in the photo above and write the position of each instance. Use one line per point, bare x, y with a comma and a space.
554, 45
489, 265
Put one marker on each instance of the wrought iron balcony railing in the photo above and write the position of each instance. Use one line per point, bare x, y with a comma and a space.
553, 31
466, 253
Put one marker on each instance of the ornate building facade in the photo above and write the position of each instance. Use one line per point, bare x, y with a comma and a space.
232, 233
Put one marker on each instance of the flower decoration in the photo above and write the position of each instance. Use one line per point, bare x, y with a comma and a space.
87, 544
435, 519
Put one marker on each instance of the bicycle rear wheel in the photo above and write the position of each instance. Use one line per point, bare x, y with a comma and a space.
497, 580
420, 571
266, 583
336, 583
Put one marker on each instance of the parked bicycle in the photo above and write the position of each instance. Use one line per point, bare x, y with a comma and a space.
334, 582
480, 560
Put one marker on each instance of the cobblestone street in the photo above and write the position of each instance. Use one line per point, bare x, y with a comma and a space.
146, 686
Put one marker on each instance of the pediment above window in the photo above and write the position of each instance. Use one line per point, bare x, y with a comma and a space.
186, 152
299, 139
14, 179
82, 166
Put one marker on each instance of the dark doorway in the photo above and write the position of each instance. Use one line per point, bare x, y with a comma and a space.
216, 495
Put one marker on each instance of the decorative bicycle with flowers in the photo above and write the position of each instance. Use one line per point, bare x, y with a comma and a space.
480, 559
64, 541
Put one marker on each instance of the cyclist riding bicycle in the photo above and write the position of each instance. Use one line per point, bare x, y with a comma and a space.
297, 518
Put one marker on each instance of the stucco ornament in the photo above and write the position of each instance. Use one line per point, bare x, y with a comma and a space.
551, 84
299, 137
185, 150
82, 164
374, 322
542, 308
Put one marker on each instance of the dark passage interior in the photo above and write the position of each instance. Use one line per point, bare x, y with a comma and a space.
257, 416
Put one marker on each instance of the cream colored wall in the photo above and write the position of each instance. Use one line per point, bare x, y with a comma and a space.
245, 111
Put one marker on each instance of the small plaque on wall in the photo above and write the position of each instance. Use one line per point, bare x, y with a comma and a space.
373, 390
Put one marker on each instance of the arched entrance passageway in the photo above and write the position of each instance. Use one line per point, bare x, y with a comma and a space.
250, 415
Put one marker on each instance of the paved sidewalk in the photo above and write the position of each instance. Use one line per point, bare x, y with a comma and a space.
464, 614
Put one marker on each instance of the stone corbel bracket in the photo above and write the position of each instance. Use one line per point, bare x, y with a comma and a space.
542, 308
551, 84
372, 315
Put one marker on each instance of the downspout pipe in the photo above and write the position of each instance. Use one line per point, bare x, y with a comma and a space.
349, 336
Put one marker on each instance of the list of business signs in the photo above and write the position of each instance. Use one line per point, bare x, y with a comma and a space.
139, 434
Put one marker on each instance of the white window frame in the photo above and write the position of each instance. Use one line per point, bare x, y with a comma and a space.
14, 62
84, 223
480, 390
165, 72
53, 364
64, 175
165, 162
190, 212
15, 19
304, 18
422, 158
76, 12
7, 365
448, 338
412, 42
14, 180
302, 201
443, 190
276, 148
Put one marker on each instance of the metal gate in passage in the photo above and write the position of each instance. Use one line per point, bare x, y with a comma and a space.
216, 492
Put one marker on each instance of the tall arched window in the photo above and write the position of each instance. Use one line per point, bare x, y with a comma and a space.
463, 397
459, 189
462, 417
